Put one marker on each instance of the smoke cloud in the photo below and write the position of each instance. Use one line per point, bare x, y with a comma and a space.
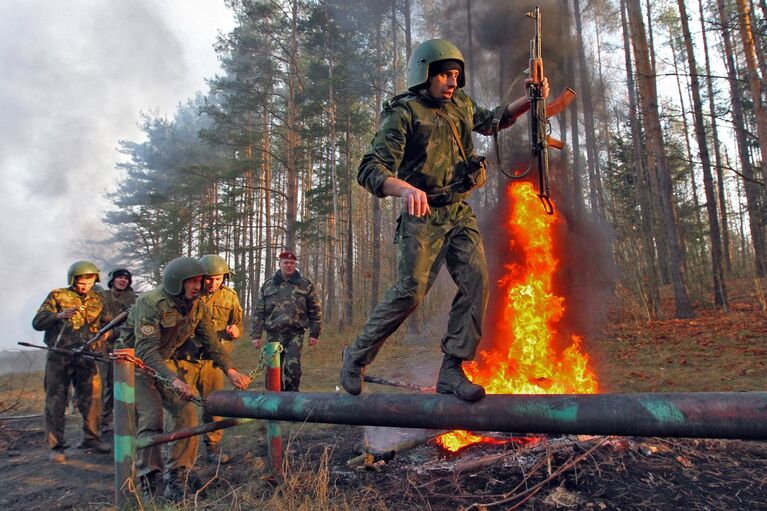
76, 77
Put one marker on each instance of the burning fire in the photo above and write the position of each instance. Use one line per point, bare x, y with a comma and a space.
523, 358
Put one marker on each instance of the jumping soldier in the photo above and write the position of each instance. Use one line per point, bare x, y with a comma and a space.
287, 304
69, 317
424, 154
160, 322
118, 298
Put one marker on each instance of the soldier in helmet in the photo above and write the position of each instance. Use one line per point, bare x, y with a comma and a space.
118, 298
158, 325
424, 154
69, 317
226, 314
287, 304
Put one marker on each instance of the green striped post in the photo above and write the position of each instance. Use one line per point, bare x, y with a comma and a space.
274, 383
125, 431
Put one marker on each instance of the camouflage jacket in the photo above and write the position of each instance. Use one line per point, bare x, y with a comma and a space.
76, 331
157, 328
115, 303
225, 310
416, 145
287, 307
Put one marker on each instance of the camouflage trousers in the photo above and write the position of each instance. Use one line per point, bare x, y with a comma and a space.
450, 236
290, 358
106, 372
151, 399
61, 371
210, 378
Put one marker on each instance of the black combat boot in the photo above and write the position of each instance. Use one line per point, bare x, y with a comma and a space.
175, 485
95, 445
452, 380
149, 485
351, 375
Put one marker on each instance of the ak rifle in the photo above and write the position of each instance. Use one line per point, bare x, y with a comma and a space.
540, 112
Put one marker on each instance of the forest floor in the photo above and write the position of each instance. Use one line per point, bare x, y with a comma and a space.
711, 352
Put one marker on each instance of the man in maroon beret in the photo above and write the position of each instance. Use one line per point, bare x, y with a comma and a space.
287, 304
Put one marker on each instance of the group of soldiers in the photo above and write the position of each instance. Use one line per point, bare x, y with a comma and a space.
183, 331
423, 154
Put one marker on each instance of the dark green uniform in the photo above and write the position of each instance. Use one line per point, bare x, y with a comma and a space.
285, 308
115, 303
225, 310
157, 326
62, 370
417, 145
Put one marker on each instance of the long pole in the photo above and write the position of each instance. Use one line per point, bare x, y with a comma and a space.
125, 430
274, 384
741, 415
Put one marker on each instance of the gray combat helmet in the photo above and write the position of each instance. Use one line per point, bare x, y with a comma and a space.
215, 265
81, 268
428, 53
177, 271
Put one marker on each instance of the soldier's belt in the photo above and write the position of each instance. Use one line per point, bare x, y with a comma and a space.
439, 200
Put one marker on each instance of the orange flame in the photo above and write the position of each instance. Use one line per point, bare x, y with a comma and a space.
524, 357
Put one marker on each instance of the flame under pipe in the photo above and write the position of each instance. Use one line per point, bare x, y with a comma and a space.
734, 415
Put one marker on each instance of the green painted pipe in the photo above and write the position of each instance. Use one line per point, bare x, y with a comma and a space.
125, 431
741, 415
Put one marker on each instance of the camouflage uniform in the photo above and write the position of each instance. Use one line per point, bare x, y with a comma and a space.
284, 309
62, 370
158, 325
115, 303
225, 310
418, 144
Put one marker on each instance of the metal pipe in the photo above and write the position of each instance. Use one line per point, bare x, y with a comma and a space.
740, 415
381, 380
206, 427
274, 384
125, 430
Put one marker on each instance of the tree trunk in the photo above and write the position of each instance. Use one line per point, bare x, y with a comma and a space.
760, 112
715, 143
292, 132
717, 262
578, 206
375, 268
642, 188
588, 119
655, 145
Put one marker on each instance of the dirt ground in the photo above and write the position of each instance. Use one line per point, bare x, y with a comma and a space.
548, 473
601, 473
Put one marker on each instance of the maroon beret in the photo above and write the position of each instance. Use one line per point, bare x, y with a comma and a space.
287, 255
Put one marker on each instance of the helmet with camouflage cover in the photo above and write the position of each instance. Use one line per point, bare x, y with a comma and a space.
214, 264
81, 268
428, 53
119, 272
177, 271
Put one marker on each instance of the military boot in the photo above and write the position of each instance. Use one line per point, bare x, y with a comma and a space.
175, 486
351, 375
95, 445
149, 485
215, 456
452, 380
